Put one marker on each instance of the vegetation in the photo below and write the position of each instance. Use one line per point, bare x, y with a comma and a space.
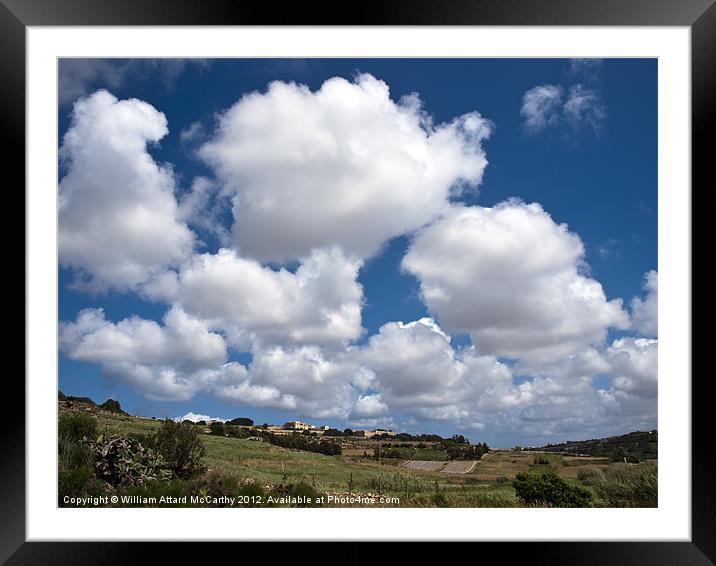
549, 489
122, 460
302, 442
626, 485
180, 446
232, 465
591, 475
635, 447
112, 406
241, 421
463, 450
74, 427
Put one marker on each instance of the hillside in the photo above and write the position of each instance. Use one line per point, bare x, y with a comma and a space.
634, 446
254, 467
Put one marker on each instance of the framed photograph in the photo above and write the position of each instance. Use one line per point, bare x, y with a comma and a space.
394, 278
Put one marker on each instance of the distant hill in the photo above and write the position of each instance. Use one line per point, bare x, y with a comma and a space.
633, 446
88, 405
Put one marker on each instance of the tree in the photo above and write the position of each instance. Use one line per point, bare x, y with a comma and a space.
112, 406
241, 421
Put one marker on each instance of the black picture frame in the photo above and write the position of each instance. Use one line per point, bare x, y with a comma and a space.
699, 15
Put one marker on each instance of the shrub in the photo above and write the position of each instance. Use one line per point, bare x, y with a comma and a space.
77, 426
181, 447
238, 432
548, 488
627, 485
217, 428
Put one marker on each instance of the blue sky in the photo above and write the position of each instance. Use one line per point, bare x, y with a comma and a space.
540, 348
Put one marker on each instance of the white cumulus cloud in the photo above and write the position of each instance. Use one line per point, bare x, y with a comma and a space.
118, 218
168, 362
510, 277
345, 165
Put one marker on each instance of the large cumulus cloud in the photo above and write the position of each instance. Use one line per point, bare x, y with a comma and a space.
170, 362
345, 165
512, 278
118, 217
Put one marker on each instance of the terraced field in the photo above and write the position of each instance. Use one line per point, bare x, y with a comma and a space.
459, 467
424, 465
456, 467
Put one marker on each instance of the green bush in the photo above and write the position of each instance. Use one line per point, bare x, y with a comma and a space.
549, 489
76, 426
628, 485
181, 447
217, 429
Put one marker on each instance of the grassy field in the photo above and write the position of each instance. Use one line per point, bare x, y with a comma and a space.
487, 485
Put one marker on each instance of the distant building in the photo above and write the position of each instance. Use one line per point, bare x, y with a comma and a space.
297, 425
383, 431
371, 433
